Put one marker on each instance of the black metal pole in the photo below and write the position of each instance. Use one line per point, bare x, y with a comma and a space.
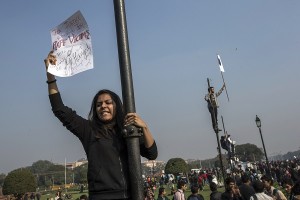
230, 153
130, 133
220, 155
262, 140
231, 166
223, 124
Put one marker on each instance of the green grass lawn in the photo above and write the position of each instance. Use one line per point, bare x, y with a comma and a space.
76, 194
205, 193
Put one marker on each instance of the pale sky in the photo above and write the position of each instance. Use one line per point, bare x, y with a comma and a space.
173, 46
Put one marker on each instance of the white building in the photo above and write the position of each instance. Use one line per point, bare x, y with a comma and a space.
72, 165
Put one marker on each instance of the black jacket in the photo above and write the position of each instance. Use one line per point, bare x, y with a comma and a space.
227, 196
215, 195
108, 176
246, 191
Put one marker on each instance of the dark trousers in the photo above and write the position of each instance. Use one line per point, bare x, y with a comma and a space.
214, 116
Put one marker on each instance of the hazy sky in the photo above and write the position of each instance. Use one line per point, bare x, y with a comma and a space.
173, 46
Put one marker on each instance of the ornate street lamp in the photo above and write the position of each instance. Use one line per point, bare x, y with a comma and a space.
258, 124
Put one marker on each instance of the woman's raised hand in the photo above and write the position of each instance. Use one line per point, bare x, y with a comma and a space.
51, 58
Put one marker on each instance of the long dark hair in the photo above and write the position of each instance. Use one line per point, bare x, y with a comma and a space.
117, 122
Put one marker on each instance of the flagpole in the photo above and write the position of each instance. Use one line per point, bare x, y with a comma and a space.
65, 175
222, 70
225, 86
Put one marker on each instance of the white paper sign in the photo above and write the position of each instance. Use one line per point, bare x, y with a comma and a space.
71, 43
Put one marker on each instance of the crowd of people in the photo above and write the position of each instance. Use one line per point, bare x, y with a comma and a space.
280, 180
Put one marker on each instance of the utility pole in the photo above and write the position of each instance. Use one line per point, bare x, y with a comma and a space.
131, 133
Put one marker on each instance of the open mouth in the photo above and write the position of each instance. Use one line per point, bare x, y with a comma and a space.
104, 112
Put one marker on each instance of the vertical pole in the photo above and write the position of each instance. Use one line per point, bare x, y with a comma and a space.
220, 155
262, 140
200, 165
130, 133
225, 86
65, 175
231, 165
223, 124
153, 168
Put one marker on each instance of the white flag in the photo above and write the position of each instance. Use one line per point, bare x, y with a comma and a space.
220, 64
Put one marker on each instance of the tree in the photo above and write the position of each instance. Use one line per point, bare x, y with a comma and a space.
176, 166
40, 169
2, 177
41, 166
18, 182
57, 174
224, 161
80, 174
248, 152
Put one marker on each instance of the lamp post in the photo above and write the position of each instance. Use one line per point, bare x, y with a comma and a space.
130, 133
258, 124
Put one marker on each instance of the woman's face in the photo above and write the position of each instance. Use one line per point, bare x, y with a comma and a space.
105, 108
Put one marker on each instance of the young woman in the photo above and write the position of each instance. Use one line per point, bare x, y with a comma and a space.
101, 138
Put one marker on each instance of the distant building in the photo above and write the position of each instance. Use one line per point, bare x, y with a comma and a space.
190, 160
147, 163
152, 163
72, 165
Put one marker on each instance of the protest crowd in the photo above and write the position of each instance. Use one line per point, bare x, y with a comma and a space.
254, 181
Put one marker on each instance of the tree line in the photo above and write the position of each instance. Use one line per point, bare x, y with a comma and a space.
43, 174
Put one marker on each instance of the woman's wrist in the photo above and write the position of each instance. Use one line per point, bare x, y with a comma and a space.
50, 77
50, 82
